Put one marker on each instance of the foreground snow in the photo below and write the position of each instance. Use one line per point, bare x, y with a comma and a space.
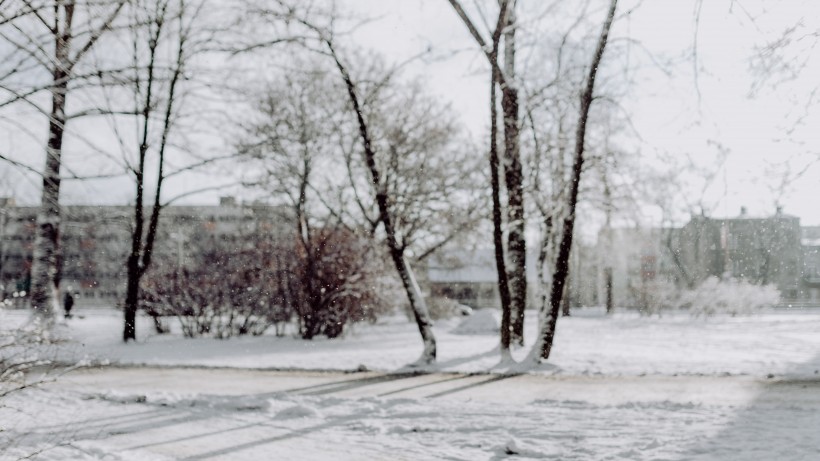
162, 414
617, 388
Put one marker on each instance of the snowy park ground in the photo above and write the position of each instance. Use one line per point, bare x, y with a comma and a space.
621, 387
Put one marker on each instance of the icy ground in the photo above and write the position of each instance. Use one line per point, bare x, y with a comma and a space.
622, 388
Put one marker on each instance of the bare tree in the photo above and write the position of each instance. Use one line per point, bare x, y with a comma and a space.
514, 180
290, 139
543, 346
160, 27
411, 286
400, 133
51, 38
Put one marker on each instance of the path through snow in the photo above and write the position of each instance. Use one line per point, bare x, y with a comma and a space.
227, 414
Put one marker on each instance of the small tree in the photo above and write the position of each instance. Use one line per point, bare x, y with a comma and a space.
159, 27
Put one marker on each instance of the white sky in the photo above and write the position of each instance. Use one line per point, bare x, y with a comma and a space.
666, 110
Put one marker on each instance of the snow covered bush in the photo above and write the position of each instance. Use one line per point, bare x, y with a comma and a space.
20, 352
28, 355
445, 308
713, 296
654, 296
733, 297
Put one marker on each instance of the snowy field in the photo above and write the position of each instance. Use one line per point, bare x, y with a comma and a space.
785, 343
619, 388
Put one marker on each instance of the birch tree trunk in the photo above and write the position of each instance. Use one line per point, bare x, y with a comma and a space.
44, 267
45, 270
514, 178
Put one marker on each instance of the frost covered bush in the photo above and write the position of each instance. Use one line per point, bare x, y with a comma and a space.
657, 295
713, 296
733, 297
27, 355
28, 358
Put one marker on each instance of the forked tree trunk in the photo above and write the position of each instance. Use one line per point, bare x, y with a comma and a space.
491, 52
543, 345
139, 260
414, 296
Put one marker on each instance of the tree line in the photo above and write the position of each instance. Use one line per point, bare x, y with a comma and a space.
342, 137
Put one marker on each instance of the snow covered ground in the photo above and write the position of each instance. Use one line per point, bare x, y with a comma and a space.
619, 388
589, 343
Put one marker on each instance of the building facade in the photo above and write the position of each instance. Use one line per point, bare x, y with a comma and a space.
95, 242
772, 250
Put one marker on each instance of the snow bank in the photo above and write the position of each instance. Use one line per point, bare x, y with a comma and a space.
481, 322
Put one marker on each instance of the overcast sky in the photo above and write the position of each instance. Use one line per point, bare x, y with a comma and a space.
701, 107
687, 112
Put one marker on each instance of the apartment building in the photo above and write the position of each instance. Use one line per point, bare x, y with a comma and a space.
95, 241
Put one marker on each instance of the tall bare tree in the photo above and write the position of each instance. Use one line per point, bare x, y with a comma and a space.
514, 180
160, 28
290, 140
51, 38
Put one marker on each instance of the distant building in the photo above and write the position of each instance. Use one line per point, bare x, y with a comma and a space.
810, 241
467, 277
470, 277
95, 241
771, 250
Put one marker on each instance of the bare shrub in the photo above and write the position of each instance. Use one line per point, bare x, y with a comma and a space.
237, 289
342, 288
223, 292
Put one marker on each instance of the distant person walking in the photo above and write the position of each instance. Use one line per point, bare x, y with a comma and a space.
68, 303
